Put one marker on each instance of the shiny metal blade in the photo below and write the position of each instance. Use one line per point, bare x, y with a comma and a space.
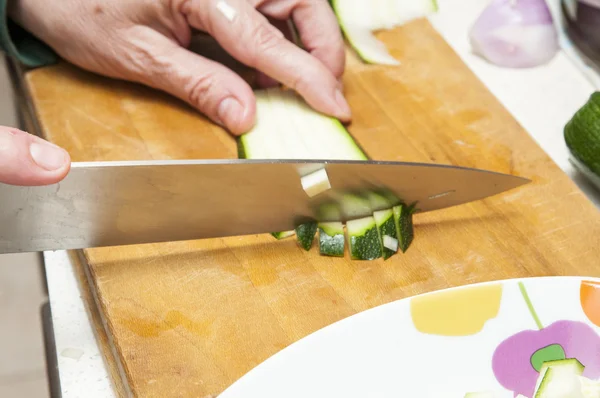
120, 203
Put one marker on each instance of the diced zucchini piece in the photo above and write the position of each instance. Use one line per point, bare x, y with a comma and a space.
378, 202
559, 379
364, 239
316, 183
390, 243
329, 211
355, 206
589, 388
306, 234
570, 365
404, 225
282, 235
386, 227
331, 239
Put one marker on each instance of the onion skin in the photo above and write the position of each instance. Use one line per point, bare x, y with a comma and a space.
515, 34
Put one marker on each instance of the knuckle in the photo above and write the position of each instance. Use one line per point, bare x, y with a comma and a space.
266, 39
201, 90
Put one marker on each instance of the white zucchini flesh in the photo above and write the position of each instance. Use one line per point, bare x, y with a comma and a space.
390, 243
315, 183
288, 128
360, 18
589, 388
559, 379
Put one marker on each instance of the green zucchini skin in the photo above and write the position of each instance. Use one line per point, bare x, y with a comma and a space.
582, 134
305, 234
282, 235
386, 226
331, 239
364, 239
403, 218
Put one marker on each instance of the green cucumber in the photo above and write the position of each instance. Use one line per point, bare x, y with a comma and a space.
282, 235
364, 239
582, 136
386, 227
331, 239
306, 234
358, 20
404, 225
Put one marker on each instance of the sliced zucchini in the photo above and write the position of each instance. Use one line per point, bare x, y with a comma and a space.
306, 234
360, 18
331, 239
282, 235
386, 227
404, 225
288, 128
364, 239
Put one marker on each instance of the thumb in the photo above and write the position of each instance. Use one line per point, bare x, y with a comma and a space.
29, 160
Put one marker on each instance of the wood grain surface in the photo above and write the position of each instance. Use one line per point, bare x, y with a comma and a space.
190, 318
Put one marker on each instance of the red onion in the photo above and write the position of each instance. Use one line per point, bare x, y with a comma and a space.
515, 33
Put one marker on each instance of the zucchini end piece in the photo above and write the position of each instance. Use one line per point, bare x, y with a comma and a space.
306, 234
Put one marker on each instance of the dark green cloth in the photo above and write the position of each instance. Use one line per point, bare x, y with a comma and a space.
22, 45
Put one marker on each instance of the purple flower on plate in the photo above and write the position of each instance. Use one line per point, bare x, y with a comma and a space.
517, 360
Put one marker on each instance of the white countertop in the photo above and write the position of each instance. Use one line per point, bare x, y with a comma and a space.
541, 99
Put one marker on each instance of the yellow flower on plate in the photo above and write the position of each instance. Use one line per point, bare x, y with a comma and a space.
456, 312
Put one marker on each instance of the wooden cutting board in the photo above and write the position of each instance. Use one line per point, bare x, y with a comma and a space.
190, 318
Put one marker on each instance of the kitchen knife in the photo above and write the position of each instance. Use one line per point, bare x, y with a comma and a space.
120, 203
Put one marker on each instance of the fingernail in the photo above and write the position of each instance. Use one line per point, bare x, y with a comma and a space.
344, 108
230, 112
47, 156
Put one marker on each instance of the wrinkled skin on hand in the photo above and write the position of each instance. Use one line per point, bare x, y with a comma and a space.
146, 41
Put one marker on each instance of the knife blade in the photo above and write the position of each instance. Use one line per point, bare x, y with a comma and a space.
120, 203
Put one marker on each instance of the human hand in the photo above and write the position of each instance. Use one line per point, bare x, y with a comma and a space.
145, 41
29, 160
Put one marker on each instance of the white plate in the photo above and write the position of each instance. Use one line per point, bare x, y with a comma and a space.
441, 344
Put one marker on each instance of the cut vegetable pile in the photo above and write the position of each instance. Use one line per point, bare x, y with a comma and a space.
558, 379
287, 128
360, 18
